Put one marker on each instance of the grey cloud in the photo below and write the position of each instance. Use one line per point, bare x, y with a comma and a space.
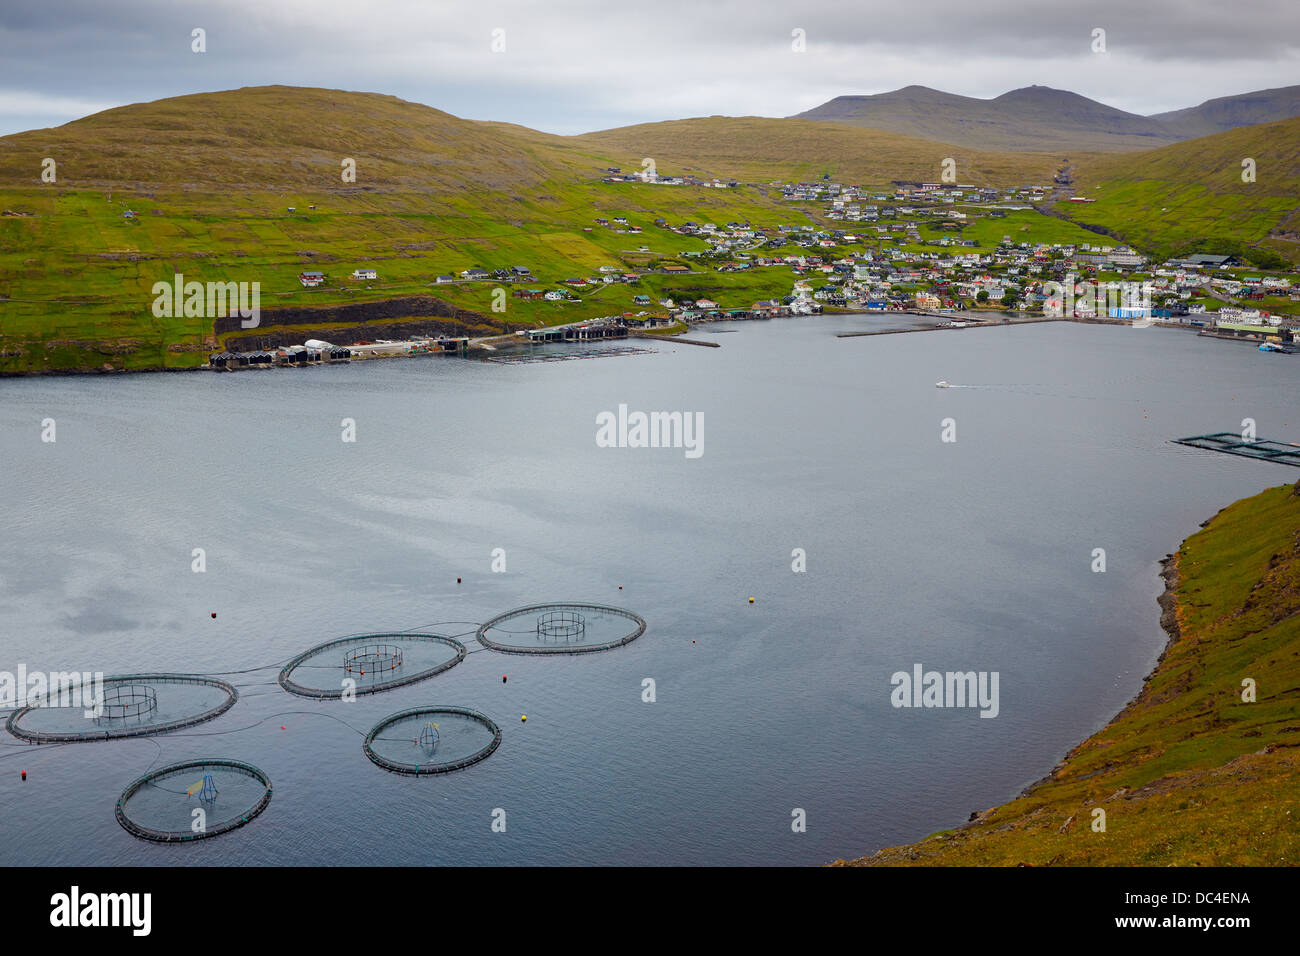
573, 66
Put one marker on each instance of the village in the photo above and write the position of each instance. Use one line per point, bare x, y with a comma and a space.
896, 249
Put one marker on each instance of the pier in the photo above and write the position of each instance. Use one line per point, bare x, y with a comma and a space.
676, 338
967, 323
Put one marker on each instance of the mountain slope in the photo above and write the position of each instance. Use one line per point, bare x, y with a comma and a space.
760, 149
1230, 112
276, 136
1033, 119
1191, 195
1041, 119
245, 186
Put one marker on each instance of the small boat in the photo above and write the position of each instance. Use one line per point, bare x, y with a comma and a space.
1274, 347
942, 385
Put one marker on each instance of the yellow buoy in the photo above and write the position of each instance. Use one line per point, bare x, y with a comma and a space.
751, 600
523, 717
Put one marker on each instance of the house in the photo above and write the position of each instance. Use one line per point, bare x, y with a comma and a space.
365, 274
475, 274
443, 279
555, 295
310, 279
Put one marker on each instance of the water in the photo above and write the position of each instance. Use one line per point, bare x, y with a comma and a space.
973, 555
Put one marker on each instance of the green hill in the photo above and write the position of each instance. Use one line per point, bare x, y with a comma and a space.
203, 185
245, 186
759, 149
1190, 773
275, 137
1191, 195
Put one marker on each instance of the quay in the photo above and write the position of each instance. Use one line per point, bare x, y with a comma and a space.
950, 317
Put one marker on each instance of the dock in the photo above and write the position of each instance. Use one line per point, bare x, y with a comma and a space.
950, 317
585, 331
1231, 443
676, 338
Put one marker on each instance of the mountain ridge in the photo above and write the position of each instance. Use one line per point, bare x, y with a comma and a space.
1045, 119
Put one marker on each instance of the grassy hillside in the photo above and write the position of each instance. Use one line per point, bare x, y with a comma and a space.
211, 178
204, 186
1170, 199
757, 149
1188, 774
209, 181
277, 137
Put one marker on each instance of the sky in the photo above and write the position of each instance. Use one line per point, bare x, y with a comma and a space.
566, 67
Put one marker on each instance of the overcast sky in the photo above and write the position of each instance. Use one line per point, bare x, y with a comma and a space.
570, 66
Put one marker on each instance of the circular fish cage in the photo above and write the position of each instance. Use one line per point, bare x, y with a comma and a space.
369, 663
130, 705
375, 658
193, 800
123, 701
561, 629
428, 740
563, 625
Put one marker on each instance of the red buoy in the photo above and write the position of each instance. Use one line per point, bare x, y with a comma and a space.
24, 774
214, 614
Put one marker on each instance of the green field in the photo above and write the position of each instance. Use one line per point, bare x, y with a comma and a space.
1191, 196
74, 271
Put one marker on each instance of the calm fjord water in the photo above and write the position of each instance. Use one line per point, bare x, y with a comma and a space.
973, 555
